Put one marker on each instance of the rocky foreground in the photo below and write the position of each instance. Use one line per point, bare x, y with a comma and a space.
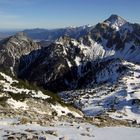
10, 129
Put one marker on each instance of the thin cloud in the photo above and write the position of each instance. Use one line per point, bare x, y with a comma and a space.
4, 15
12, 2
9, 20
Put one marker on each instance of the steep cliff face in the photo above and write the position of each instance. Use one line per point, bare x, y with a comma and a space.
65, 66
57, 67
116, 38
12, 48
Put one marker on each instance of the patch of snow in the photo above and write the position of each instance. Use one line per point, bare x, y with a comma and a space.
69, 63
39, 94
8, 78
64, 110
64, 50
17, 104
77, 60
75, 43
8, 121
7, 87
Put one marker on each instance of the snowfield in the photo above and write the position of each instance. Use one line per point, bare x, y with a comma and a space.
119, 100
68, 131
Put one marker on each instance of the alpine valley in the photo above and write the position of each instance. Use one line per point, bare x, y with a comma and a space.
71, 83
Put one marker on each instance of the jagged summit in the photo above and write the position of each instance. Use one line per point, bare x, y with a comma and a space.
64, 40
17, 38
114, 17
21, 36
12, 48
115, 21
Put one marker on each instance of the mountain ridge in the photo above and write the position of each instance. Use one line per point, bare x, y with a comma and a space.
70, 61
54, 34
12, 48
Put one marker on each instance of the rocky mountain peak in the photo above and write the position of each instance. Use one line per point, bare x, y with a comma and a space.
64, 40
20, 36
115, 21
16, 39
13, 48
115, 17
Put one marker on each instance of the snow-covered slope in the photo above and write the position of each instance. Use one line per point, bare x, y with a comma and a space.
119, 100
115, 22
18, 96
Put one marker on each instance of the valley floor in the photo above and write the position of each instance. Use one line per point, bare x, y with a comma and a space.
64, 131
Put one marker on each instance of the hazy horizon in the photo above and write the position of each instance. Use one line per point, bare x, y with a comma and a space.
52, 14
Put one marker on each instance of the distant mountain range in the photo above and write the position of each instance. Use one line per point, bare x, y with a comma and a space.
53, 34
7, 33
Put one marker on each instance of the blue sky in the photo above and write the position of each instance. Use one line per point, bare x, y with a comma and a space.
20, 14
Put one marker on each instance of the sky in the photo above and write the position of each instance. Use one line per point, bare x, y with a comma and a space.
26, 14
